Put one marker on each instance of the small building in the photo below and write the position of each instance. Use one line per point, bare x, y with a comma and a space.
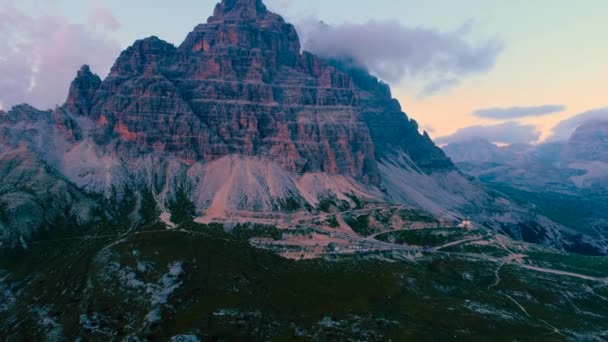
466, 224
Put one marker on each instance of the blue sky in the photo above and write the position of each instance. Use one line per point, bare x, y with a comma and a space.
554, 52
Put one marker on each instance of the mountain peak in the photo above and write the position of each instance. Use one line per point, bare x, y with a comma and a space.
82, 91
249, 26
84, 70
24, 113
238, 10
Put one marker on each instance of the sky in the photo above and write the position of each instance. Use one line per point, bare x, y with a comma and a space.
528, 70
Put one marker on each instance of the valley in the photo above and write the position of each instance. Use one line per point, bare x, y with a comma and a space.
304, 279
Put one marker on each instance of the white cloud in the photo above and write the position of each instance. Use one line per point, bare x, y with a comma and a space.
564, 129
505, 133
518, 112
438, 86
394, 52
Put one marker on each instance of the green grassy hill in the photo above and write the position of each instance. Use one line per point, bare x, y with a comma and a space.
155, 284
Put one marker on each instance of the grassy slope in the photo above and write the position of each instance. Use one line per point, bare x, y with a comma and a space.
569, 210
426, 237
441, 296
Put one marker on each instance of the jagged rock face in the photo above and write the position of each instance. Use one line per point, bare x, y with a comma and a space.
246, 27
390, 129
23, 125
239, 85
82, 91
24, 114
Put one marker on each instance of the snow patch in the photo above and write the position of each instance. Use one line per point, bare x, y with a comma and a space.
167, 285
54, 330
23, 243
488, 310
185, 338
94, 324
154, 316
7, 298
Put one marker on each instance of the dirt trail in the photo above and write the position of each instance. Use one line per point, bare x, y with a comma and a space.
564, 273
455, 243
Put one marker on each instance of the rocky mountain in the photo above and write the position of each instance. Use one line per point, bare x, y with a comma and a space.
238, 188
478, 151
578, 163
238, 120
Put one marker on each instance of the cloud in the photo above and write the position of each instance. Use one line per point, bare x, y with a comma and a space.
102, 18
505, 133
518, 112
438, 86
394, 52
564, 129
39, 56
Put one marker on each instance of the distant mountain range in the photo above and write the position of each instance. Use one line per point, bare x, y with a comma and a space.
568, 181
577, 164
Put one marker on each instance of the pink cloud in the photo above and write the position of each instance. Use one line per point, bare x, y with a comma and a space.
39, 56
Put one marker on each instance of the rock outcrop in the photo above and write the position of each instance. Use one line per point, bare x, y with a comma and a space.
82, 91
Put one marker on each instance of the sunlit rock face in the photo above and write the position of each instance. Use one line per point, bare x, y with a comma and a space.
239, 84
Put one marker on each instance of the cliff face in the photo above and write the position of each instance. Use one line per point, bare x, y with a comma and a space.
392, 132
82, 91
240, 85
